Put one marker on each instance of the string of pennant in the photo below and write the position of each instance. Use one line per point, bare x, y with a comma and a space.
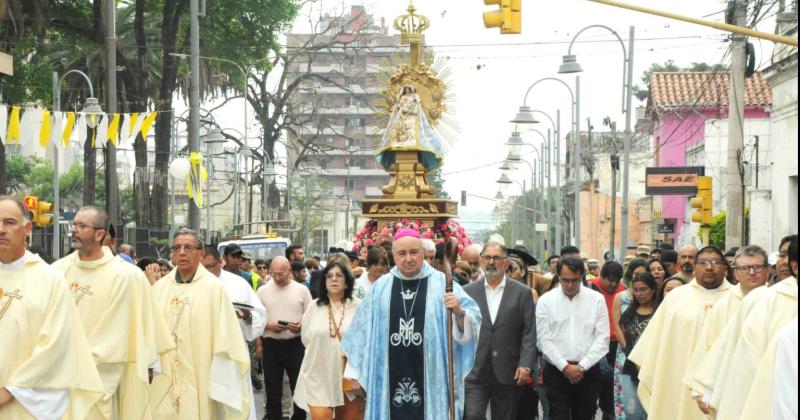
24, 125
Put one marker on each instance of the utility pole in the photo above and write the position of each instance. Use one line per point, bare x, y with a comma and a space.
623, 246
614, 170
734, 227
559, 216
112, 183
194, 100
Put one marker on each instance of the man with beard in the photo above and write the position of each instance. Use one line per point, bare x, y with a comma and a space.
126, 333
46, 366
687, 255
752, 272
506, 352
665, 348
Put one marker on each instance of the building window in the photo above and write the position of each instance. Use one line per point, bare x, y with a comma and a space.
696, 155
355, 162
355, 123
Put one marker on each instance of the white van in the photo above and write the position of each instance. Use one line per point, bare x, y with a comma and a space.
264, 246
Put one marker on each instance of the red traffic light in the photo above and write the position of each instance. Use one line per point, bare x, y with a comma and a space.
31, 202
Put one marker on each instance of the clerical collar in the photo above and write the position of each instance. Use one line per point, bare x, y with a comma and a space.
414, 277
16, 265
179, 279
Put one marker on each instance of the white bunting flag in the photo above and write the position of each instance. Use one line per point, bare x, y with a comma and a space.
58, 129
101, 130
29, 126
125, 129
3, 123
82, 129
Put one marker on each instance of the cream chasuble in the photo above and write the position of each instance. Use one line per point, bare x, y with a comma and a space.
207, 376
768, 316
717, 361
122, 326
45, 349
665, 348
765, 389
724, 311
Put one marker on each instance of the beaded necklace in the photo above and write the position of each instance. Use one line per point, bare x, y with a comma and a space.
334, 328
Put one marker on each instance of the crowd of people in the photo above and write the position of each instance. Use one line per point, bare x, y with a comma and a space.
666, 334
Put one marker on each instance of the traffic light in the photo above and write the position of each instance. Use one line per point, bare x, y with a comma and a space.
508, 18
704, 201
39, 211
463, 198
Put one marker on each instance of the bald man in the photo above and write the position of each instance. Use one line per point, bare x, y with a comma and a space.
285, 301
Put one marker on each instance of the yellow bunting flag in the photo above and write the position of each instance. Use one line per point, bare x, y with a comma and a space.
13, 126
93, 122
113, 129
44, 131
69, 124
197, 176
147, 124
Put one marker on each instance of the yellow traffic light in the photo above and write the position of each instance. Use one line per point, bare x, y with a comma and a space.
704, 201
39, 211
508, 18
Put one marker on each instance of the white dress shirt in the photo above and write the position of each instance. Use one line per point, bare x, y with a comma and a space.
240, 292
493, 297
572, 329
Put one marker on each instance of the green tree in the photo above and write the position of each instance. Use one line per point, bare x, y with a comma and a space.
716, 235
669, 66
436, 179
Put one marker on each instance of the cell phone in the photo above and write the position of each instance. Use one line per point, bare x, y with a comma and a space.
284, 323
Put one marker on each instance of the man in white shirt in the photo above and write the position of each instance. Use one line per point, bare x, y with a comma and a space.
506, 353
573, 335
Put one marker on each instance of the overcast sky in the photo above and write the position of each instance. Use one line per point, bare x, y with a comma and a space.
491, 72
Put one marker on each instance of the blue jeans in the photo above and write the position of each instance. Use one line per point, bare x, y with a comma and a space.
630, 401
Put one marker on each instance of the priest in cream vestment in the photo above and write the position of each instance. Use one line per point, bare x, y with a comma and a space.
768, 316
751, 267
46, 367
114, 299
665, 348
207, 377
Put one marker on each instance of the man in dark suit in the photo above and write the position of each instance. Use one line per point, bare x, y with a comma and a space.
506, 351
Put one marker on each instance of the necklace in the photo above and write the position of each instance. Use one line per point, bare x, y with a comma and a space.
407, 296
334, 328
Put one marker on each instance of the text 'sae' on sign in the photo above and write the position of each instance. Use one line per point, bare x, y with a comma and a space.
680, 180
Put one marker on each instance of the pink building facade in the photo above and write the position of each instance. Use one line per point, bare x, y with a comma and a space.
680, 104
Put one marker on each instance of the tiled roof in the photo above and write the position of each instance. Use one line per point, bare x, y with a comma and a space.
704, 89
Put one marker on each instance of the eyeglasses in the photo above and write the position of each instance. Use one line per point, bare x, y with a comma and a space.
713, 263
82, 226
640, 290
747, 268
493, 258
334, 276
186, 248
261, 267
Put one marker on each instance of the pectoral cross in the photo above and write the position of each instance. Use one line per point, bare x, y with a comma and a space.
9, 299
79, 292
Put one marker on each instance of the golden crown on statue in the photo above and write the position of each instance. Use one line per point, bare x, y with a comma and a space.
412, 26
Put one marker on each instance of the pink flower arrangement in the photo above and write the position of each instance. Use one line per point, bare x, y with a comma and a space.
443, 230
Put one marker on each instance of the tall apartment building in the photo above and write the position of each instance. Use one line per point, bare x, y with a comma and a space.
340, 104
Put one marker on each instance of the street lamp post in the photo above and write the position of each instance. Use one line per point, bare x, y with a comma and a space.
525, 116
570, 65
91, 106
214, 136
265, 159
555, 215
514, 156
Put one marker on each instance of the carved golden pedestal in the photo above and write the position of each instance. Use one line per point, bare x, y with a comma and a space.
408, 195
407, 178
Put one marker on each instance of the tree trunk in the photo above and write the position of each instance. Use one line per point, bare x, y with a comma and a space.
141, 175
173, 9
89, 169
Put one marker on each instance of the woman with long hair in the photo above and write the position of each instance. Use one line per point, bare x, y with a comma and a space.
634, 321
621, 303
657, 269
320, 390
